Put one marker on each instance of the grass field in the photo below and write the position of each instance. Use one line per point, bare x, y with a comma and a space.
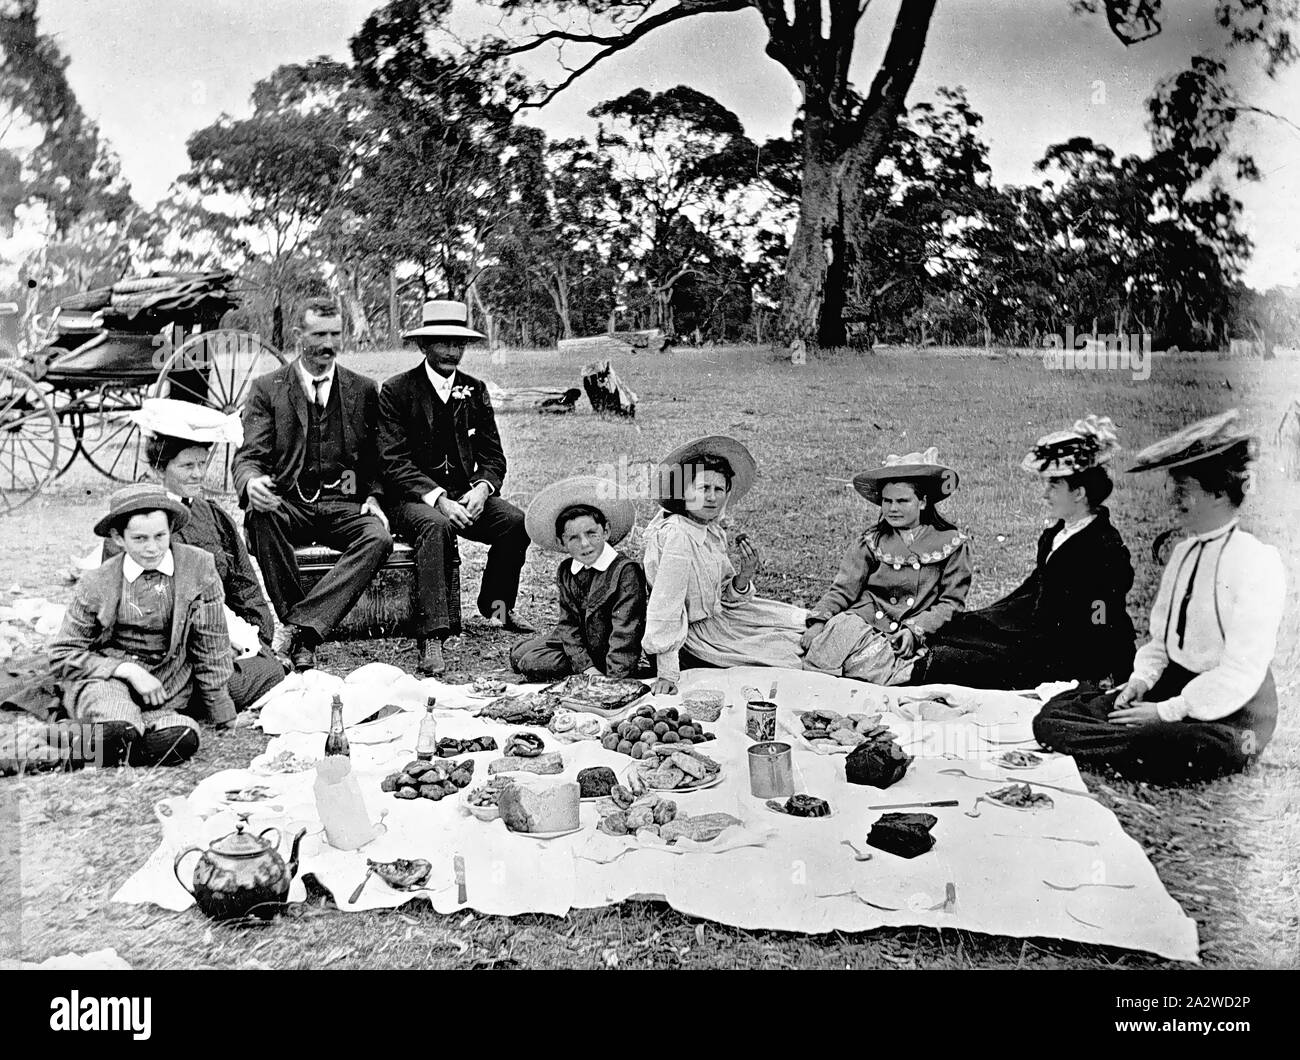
1228, 851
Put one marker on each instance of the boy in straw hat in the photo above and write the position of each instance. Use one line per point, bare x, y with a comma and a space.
602, 592
1201, 701
144, 641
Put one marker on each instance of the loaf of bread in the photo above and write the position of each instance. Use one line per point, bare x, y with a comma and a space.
529, 808
541, 764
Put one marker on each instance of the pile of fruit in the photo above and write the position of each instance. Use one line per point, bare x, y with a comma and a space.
647, 727
429, 780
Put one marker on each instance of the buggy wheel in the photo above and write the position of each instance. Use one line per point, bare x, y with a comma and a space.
217, 369
108, 436
29, 439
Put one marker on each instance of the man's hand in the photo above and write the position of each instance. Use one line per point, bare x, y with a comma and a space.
663, 687
903, 642
262, 495
371, 507
809, 635
1140, 714
147, 687
1131, 693
454, 512
475, 499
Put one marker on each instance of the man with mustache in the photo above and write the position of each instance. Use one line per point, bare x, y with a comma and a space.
307, 473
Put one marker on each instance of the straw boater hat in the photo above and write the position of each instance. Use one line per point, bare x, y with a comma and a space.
188, 421
444, 320
600, 493
1091, 442
1198, 441
936, 479
142, 497
743, 467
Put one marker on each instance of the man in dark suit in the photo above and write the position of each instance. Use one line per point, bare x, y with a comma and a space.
443, 466
308, 473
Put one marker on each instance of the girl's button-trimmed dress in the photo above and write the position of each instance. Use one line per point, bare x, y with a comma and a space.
694, 605
889, 580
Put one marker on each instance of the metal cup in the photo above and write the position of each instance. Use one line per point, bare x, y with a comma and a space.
760, 721
771, 771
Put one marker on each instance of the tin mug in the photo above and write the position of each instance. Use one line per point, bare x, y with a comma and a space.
760, 721
771, 771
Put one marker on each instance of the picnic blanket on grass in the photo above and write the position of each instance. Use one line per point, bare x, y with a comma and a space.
1067, 872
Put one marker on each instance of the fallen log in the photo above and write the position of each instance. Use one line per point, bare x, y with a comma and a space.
617, 342
533, 398
607, 394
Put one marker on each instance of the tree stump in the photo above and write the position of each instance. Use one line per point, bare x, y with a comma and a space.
607, 394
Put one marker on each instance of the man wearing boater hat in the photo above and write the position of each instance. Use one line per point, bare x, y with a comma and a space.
1201, 700
308, 473
443, 468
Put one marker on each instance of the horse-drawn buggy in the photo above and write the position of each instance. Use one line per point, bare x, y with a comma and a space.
153, 336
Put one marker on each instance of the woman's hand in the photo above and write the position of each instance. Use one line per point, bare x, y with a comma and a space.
663, 687
903, 643
1140, 714
749, 562
1132, 692
809, 635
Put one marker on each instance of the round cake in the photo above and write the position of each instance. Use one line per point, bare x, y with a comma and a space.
537, 808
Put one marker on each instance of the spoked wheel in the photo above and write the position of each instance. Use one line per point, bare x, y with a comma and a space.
217, 369
29, 439
106, 434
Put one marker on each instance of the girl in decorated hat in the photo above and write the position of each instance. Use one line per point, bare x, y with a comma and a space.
702, 607
1201, 700
1069, 619
899, 583
179, 438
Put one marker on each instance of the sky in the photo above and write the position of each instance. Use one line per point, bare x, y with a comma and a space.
151, 72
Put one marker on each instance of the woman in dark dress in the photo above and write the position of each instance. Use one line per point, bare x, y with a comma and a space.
1069, 619
178, 446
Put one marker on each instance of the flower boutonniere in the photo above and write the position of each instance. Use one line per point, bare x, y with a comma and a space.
462, 391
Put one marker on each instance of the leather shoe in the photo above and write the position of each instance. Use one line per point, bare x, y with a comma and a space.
302, 653
510, 624
429, 660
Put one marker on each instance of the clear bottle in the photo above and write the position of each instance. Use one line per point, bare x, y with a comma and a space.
336, 743
426, 743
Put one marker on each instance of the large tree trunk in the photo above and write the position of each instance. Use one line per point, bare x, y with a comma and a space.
842, 144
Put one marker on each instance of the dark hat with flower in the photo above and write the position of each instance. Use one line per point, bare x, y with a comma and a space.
1091, 442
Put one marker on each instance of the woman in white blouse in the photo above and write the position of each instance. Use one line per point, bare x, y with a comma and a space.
1201, 700
699, 601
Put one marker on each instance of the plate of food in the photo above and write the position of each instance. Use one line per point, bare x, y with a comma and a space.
1019, 797
597, 694
285, 762
1017, 760
648, 726
485, 688
550, 835
801, 806
251, 793
483, 801
673, 768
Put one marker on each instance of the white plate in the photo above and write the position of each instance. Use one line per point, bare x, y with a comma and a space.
547, 835
699, 785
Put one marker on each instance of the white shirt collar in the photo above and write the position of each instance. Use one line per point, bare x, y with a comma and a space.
307, 379
442, 384
1221, 531
602, 563
132, 570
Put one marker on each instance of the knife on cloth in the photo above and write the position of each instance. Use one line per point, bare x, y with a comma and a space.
458, 865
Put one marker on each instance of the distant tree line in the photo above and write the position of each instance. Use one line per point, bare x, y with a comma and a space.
407, 173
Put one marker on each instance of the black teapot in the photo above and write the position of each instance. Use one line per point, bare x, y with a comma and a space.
241, 874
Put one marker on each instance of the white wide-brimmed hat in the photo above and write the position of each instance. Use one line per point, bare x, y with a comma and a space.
672, 479
1196, 442
599, 493
936, 479
1091, 442
188, 421
444, 320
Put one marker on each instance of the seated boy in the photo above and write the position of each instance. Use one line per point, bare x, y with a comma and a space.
602, 592
144, 639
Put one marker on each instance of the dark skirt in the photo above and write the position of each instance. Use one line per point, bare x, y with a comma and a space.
1160, 752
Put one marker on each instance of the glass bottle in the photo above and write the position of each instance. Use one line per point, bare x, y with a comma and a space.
336, 743
426, 743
